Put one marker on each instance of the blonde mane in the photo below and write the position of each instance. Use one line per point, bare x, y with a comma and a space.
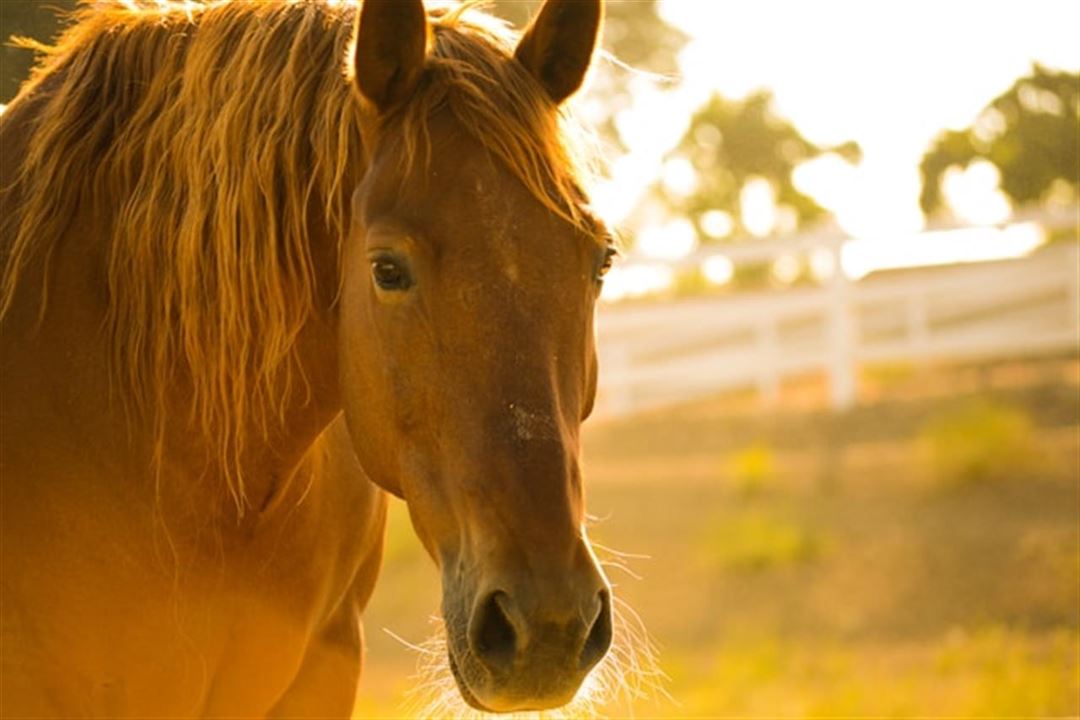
209, 138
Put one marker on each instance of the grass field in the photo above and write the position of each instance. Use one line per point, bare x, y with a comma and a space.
919, 556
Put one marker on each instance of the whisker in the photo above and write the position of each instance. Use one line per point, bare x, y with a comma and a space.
620, 566
654, 77
593, 520
619, 553
628, 674
617, 566
406, 643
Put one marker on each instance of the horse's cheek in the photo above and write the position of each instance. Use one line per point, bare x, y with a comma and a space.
363, 393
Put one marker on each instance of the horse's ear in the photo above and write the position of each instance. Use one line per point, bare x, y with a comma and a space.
558, 46
391, 47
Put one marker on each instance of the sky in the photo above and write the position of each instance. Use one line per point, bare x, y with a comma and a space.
888, 75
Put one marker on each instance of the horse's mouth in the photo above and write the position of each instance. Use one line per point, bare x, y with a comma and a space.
463, 687
471, 699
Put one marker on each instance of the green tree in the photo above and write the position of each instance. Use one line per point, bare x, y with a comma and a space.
731, 142
25, 18
1030, 133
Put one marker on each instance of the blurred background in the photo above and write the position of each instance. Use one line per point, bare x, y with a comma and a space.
837, 441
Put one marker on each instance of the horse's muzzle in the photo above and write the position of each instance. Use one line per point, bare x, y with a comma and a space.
524, 647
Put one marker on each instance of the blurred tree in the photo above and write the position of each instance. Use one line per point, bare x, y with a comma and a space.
1030, 133
26, 18
732, 143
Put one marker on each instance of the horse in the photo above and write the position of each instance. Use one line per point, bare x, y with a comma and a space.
264, 265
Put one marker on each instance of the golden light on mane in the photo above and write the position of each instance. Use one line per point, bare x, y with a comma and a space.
212, 138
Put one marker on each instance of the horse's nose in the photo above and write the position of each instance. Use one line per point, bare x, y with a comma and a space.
598, 640
505, 637
493, 637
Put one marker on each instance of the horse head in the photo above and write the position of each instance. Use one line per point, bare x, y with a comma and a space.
470, 276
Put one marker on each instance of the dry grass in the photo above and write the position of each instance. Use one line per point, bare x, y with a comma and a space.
980, 441
852, 582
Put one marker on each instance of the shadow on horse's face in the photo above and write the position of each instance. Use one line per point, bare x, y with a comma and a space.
468, 366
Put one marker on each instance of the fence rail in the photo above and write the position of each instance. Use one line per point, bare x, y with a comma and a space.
660, 354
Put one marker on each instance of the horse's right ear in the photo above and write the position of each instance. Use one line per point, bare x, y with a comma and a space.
391, 47
558, 46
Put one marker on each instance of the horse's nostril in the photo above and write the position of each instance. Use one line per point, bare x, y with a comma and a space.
599, 638
493, 638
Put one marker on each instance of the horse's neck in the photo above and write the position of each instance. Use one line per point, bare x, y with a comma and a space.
62, 400
61, 394
311, 401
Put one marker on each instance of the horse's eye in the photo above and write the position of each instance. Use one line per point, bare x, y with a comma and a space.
390, 275
609, 260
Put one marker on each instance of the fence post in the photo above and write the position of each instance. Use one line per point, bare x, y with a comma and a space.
842, 335
768, 371
1074, 289
918, 326
618, 400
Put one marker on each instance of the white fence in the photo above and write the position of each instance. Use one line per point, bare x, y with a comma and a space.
660, 354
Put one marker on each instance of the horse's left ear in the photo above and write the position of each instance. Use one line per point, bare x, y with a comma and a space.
391, 48
558, 46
